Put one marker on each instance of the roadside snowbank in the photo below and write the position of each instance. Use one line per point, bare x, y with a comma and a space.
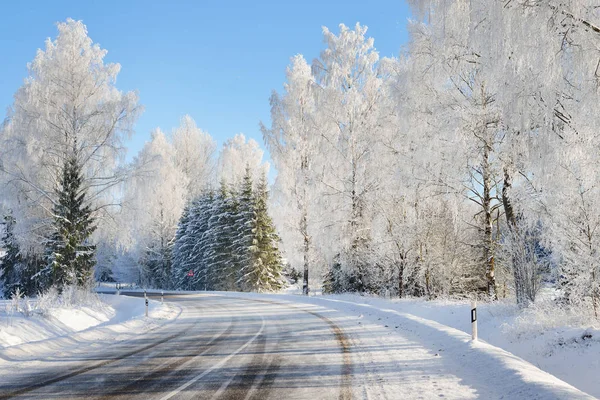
32, 334
570, 351
526, 365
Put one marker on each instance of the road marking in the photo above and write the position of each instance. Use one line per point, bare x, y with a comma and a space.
217, 365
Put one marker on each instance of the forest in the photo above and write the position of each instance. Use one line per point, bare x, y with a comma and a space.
468, 166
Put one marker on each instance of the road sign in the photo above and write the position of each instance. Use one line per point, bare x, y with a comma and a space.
190, 273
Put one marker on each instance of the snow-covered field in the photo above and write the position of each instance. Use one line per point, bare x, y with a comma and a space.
43, 331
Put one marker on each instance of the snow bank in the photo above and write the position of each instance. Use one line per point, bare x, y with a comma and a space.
35, 334
550, 338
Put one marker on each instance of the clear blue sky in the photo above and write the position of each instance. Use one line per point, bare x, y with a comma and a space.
215, 60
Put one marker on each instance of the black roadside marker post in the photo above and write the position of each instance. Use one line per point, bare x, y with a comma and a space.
146, 300
474, 319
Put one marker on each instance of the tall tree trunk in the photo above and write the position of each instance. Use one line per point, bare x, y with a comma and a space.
511, 222
506, 203
488, 240
401, 268
304, 227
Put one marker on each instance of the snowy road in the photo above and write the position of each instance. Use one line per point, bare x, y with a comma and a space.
261, 347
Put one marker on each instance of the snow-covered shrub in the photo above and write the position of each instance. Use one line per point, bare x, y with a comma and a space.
544, 316
70, 296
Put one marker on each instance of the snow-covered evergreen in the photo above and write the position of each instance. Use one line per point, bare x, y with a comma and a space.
228, 241
71, 256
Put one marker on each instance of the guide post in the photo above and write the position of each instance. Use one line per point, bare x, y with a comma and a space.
474, 319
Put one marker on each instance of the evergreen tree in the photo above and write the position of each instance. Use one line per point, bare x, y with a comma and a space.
182, 248
10, 263
265, 272
70, 254
334, 279
245, 223
199, 230
191, 244
221, 274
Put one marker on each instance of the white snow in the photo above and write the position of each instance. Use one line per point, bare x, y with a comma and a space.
68, 328
431, 341
400, 348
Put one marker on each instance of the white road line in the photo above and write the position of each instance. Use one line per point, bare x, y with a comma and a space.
217, 365
257, 381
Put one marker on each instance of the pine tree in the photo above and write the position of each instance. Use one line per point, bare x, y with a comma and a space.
334, 279
158, 257
182, 246
199, 230
189, 252
221, 274
245, 223
265, 272
10, 263
70, 254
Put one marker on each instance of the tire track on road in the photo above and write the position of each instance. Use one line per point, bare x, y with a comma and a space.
169, 369
343, 341
83, 370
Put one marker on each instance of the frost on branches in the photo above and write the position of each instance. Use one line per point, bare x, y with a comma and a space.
467, 166
68, 115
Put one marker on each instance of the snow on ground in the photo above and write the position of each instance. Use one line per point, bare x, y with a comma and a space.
569, 351
42, 332
526, 363
411, 342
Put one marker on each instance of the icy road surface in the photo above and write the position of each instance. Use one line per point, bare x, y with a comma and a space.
233, 346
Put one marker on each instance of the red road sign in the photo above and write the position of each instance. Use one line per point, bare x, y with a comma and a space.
190, 273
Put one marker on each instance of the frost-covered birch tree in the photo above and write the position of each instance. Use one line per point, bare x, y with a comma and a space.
67, 109
293, 141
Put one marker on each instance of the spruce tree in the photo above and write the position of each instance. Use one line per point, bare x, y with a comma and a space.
221, 274
191, 242
265, 273
70, 253
199, 230
245, 223
10, 263
182, 246
158, 258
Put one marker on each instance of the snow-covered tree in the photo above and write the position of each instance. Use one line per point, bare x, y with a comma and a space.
191, 243
68, 103
194, 156
263, 273
293, 141
11, 260
245, 223
154, 199
236, 154
220, 257
70, 253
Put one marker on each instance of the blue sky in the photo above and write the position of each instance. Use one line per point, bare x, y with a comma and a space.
215, 60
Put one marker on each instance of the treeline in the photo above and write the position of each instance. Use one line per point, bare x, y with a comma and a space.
75, 213
467, 166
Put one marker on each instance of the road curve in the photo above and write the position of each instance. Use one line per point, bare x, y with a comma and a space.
219, 348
